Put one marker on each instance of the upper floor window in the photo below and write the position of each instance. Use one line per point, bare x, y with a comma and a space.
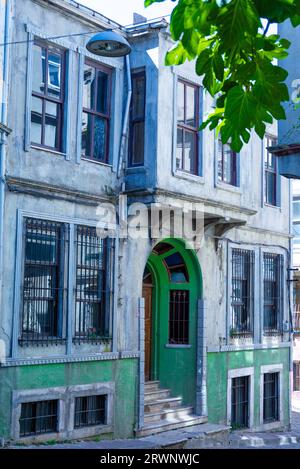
242, 292
272, 289
47, 96
187, 127
271, 173
96, 112
227, 164
137, 119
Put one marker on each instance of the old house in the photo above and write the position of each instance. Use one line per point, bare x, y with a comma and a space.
125, 335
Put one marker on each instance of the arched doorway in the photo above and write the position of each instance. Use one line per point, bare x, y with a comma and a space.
172, 285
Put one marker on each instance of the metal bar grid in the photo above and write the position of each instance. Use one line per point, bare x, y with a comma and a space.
90, 411
92, 291
240, 402
271, 275
271, 397
42, 289
38, 418
179, 317
242, 292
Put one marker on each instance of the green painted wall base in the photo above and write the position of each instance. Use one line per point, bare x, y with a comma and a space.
122, 372
219, 363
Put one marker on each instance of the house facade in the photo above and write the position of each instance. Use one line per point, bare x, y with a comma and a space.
127, 333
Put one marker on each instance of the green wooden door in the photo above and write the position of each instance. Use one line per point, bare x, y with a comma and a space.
177, 287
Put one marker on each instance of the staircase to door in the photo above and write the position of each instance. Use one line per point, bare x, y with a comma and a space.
163, 412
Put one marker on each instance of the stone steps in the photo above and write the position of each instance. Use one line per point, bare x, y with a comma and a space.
162, 412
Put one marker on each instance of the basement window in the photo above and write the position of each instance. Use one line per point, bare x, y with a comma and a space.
90, 411
38, 418
271, 397
240, 402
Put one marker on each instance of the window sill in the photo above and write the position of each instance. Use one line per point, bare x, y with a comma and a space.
179, 346
278, 207
48, 150
228, 187
136, 169
188, 176
100, 163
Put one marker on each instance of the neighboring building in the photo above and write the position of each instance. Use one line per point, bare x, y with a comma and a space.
93, 328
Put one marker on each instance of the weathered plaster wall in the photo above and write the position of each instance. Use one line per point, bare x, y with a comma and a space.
123, 373
218, 365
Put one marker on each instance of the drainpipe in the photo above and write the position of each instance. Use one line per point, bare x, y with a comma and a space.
3, 136
290, 298
121, 162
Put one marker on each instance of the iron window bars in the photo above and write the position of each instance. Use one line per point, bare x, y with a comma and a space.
43, 292
38, 418
270, 162
179, 303
47, 95
242, 292
240, 402
92, 286
272, 277
227, 164
137, 119
45, 278
271, 397
96, 111
90, 411
187, 127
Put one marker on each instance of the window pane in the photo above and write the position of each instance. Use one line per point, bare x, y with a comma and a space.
190, 163
99, 139
89, 83
54, 74
228, 165
191, 106
179, 161
36, 120
102, 92
138, 96
38, 69
180, 103
296, 210
41, 286
38, 418
90, 285
86, 140
271, 188
51, 124
138, 143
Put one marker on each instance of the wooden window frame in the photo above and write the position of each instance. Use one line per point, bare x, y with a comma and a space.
94, 113
187, 128
137, 120
270, 140
45, 97
233, 174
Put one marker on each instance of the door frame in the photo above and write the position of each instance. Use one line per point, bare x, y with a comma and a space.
201, 353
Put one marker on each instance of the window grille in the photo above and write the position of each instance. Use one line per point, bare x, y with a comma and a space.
38, 418
240, 402
271, 397
43, 283
272, 292
89, 411
92, 293
179, 317
242, 292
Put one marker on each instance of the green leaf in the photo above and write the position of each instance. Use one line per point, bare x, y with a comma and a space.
176, 56
218, 66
